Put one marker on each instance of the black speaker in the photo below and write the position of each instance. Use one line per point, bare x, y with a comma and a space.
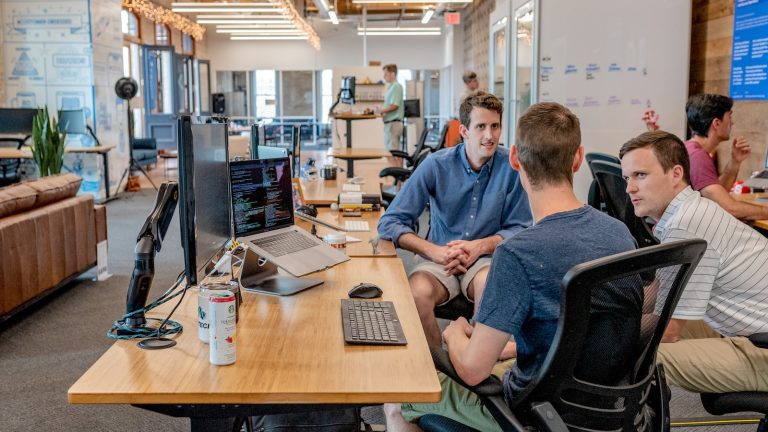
218, 103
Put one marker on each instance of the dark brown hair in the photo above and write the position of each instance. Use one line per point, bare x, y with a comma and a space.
548, 136
479, 100
390, 68
468, 76
667, 148
703, 109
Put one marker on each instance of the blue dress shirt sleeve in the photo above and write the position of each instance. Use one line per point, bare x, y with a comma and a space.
409, 203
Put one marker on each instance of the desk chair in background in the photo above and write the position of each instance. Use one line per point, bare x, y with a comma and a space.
593, 197
556, 400
9, 167
613, 191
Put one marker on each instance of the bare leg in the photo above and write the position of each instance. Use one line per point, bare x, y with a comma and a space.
395, 420
428, 292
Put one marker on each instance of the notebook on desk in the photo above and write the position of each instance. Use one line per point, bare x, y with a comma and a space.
759, 180
263, 218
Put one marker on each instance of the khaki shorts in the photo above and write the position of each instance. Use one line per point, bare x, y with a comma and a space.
454, 284
393, 131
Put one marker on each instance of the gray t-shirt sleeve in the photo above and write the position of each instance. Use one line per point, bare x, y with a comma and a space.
507, 296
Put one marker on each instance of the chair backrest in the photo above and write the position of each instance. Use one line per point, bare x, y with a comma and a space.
449, 135
9, 167
597, 156
420, 143
571, 378
613, 191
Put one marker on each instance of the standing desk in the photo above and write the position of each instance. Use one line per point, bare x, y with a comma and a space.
352, 154
291, 356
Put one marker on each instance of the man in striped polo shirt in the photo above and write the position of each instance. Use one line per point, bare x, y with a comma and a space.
728, 289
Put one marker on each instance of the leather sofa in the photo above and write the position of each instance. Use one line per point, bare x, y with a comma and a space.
48, 237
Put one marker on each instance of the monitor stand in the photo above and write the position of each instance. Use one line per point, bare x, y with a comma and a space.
260, 275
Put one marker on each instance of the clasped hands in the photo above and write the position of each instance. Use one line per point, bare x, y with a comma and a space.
458, 255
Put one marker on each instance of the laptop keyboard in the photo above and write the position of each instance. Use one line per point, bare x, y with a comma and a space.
284, 243
371, 323
356, 226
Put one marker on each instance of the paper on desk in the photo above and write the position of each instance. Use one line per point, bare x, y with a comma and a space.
351, 239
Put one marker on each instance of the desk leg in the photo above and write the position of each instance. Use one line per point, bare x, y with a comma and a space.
349, 133
350, 168
106, 174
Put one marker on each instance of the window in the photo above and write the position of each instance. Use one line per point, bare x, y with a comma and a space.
130, 25
187, 44
266, 93
162, 34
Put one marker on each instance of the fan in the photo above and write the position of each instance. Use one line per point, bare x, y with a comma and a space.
126, 89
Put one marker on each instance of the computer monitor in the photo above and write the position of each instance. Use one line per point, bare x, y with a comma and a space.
412, 108
203, 192
17, 120
258, 137
286, 135
347, 94
72, 121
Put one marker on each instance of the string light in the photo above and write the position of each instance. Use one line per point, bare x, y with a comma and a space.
296, 18
162, 15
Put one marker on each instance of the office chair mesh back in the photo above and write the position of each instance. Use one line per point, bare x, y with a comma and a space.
9, 167
596, 156
585, 377
613, 191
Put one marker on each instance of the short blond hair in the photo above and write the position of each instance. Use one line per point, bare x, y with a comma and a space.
390, 68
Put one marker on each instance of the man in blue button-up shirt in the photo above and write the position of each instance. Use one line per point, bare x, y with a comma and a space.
475, 200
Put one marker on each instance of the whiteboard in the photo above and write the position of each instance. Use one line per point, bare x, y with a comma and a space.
609, 61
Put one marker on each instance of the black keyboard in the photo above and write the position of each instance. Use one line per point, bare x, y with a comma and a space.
284, 243
371, 323
763, 174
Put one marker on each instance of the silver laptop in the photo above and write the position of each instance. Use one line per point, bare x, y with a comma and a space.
262, 215
759, 180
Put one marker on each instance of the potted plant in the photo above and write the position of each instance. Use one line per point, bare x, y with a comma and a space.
47, 144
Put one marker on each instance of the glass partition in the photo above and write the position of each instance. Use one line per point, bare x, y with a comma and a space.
523, 89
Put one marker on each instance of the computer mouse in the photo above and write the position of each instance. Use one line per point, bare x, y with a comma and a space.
365, 290
308, 210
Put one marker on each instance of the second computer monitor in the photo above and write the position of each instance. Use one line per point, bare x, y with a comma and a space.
347, 95
17, 120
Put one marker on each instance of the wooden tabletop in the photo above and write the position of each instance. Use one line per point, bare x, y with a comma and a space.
357, 153
11, 153
384, 249
350, 116
289, 350
755, 198
326, 192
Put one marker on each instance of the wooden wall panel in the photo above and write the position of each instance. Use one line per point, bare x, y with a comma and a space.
475, 22
710, 72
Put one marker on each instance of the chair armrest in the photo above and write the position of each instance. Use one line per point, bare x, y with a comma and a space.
547, 417
400, 154
490, 391
759, 340
396, 172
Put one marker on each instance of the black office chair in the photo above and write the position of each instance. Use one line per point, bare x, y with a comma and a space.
556, 400
399, 176
593, 198
9, 167
410, 158
613, 190
734, 402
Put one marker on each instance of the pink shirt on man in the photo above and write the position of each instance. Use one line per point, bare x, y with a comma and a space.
703, 171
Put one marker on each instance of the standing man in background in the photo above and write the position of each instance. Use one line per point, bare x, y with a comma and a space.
393, 109
471, 83
710, 120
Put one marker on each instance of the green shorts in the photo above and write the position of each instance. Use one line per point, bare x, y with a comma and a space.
458, 404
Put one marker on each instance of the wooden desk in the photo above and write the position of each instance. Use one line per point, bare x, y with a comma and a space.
352, 154
103, 150
363, 248
755, 198
290, 350
326, 192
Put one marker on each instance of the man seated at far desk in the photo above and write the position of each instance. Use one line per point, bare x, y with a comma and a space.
710, 119
728, 289
475, 200
522, 297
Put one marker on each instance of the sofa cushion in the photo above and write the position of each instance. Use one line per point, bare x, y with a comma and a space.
16, 199
55, 188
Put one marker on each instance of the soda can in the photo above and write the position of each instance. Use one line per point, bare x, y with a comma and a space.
222, 314
202, 306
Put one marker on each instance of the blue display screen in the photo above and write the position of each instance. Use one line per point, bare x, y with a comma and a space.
749, 64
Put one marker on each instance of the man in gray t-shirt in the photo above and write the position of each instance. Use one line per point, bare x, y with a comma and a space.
522, 295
